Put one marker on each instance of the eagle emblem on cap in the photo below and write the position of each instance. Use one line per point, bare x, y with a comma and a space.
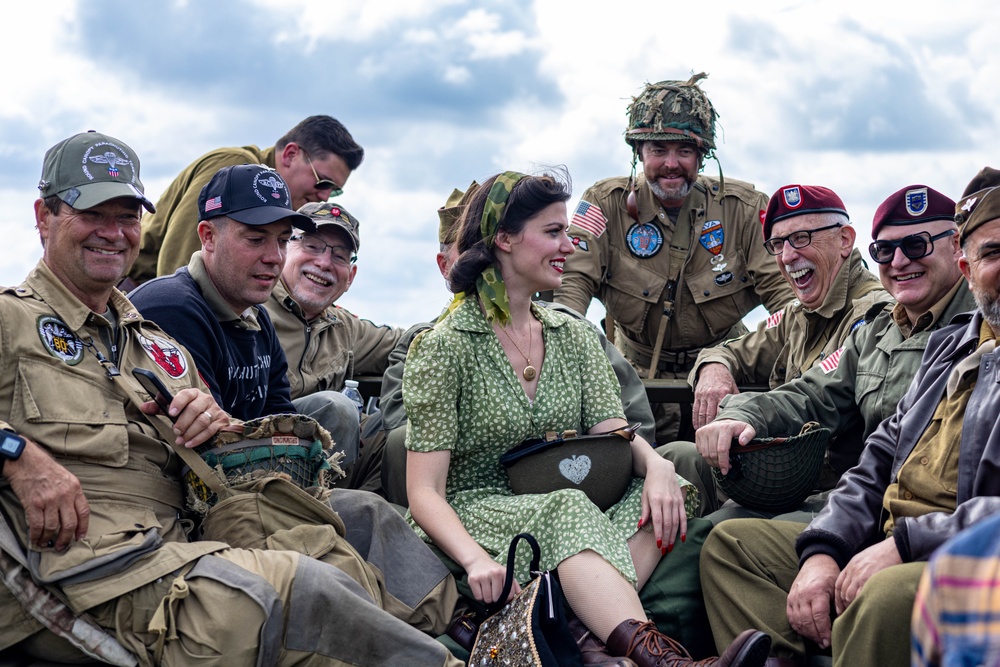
916, 201
792, 196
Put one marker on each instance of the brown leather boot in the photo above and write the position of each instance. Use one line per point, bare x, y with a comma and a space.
648, 647
593, 650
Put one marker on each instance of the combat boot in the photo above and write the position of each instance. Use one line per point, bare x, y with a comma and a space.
592, 649
648, 647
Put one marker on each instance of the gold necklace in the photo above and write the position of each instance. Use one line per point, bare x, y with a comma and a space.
529, 371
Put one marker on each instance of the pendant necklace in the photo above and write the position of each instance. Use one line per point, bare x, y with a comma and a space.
529, 371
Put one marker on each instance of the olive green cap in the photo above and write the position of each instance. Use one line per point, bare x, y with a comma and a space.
331, 213
987, 177
973, 211
451, 212
90, 168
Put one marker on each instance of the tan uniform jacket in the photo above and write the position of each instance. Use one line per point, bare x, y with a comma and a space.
54, 392
712, 294
170, 235
333, 347
795, 338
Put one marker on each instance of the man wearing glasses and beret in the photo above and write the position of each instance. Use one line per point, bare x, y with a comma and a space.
314, 159
324, 343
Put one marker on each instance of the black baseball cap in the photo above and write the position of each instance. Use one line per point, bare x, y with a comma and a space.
253, 194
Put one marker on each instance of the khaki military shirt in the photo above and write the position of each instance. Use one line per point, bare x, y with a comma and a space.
795, 338
626, 265
170, 235
333, 347
54, 391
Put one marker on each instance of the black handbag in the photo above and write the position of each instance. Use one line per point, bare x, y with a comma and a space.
530, 630
600, 465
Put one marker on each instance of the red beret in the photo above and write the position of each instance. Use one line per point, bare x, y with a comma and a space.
792, 200
912, 205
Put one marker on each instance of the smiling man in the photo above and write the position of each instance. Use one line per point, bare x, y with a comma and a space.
674, 256
325, 344
314, 159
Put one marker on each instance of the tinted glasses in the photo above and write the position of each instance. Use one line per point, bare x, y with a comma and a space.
913, 246
323, 183
776, 244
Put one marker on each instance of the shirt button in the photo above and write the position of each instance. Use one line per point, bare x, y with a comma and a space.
706, 292
908, 495
645, 292
924, 460
743, 279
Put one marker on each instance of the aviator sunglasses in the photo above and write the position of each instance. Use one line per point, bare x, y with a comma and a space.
322, 183
913, 246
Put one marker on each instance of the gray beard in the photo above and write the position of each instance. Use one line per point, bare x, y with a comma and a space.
989, 308
674, 194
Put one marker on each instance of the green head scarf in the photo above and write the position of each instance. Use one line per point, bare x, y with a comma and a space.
489, 285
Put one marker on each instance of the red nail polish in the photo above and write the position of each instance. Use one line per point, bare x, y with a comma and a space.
640, 523
663, 551
659, 544
670, 548
684, 538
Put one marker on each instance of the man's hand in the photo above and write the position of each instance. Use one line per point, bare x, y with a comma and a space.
52, 498
861, 568
714, 441
715, 382
809, 600
197, 417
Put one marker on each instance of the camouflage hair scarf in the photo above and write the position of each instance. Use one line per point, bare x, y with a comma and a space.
489, 285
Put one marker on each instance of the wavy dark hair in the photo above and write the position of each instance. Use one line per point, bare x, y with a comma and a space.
529, 196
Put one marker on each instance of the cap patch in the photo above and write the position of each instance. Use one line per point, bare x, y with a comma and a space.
165, 354
60, 342
916, 201
213, 203
109, 160
792, 197
275, 186
969, 204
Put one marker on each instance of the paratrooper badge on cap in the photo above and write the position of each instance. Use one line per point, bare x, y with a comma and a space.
60, 342
792, 197
916, 201
644, 239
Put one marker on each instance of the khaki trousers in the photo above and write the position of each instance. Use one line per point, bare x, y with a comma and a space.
747, 569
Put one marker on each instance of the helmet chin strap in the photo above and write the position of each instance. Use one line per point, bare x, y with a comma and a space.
630, 200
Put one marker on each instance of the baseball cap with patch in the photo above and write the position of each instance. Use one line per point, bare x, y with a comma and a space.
330, 213
89, 169
792, 200
912, 205
977, 209
253, 194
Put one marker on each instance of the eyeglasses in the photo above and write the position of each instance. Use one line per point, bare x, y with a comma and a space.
314, 246
913, 246
323, 183
776, 244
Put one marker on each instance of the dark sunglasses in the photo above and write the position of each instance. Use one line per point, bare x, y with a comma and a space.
913, 246
323, 183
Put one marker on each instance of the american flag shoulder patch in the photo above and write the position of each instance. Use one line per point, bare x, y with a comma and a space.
831, 362
590, 218
775, 319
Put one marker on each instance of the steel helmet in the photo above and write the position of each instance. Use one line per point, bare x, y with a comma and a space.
672, 111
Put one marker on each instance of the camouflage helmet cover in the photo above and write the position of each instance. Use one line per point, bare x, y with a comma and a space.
672, 111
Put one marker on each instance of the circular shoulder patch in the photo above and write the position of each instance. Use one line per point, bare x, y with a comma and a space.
59, 340
165, 354
644, 240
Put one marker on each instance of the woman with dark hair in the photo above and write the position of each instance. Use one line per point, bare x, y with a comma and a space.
498, 370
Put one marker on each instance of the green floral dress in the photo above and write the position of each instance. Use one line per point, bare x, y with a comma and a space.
461, 394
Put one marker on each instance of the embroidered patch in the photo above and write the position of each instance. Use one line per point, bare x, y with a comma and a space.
775, 319
580, 243
284, 439
273, 183
724, 278
831, 362
644, 240
165, 354
60, 342
916, 201
792, 196
857, 324
589, 217
712, 236
110, 159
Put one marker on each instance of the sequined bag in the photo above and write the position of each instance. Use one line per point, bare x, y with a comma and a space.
530, 630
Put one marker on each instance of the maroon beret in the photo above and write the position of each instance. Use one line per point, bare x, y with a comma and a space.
792, 200
912, 205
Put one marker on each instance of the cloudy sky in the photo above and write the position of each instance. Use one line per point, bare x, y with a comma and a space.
863, 97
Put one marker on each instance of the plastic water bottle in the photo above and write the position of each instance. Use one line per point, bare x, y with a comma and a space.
351, 391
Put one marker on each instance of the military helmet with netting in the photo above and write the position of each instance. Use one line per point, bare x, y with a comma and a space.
672, 111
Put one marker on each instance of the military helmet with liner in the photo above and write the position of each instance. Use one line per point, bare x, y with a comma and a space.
672, 111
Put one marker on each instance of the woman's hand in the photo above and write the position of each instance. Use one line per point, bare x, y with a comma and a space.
663, 503
486, 577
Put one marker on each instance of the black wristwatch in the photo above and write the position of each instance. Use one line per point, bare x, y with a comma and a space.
11, 447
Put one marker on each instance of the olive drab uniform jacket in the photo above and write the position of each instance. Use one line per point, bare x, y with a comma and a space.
170, 236
632, 266
55, 391
795, 338
873, 372
333, 347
